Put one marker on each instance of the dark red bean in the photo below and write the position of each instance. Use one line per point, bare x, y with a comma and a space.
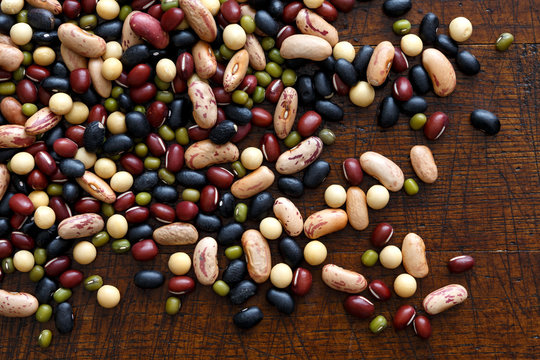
381, 234
400, 62
26, 91
142, 4
163, 213
220, 177
302, 281
379, 290
155, 11
89, 6
157, 113
6, 249
261, 117
71, 278
144, 250
37, 73
359, 306
122, 79
97, 113
17, 220
156, 145
44, 96
460, 264
180, 285
221, 21
353, 171
5, 75
87, 205
137, 214
56, 266
58, 177
60, 208
309, 123
132, 164
186, 210
343, 5
209, 199
71, 9
422, 326
231, 11
171, 19
76, 133
435, 125
339, 86
402, 89
220, 115
143, 93
270, 147
284, 32
45, 163
124, 201
274, 90
197, 133
21, 204
138, 75
241, 133
290, 11
174, 158
65, 147
185, 66
37, 180
178, 85
248, 84
80, 80
222, 97
327, 11
36, 147
404, 317
217, 78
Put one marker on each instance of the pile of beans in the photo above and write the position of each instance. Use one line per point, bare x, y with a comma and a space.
116, 117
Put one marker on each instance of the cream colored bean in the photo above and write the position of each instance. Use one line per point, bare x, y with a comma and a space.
377, 197
335, 196
116, 123
423, 163
87, 158
382, 169
11, 7
113, 50
166, 70
60, 103
17, 304
444, 298
313, 4
44, 217
270, 228
111, 68
281, 275
362, 94
440, 70
44, 56
300, 46
259, 260
460, 29
251, 158
102, 86
390, 257
252, 184
405, 285
300, 156
325, 222
108, 296
342, 279
22, 163
39, 198
315, 252
411, 45
357, 210
289, 216
79, 226
205, 262
413, 250
234, 36
177, 233
78, 114
344, 50
380, 63
105, 168
21, 33
107, 9
121, 181
117, 226
212, 6
84, 252
179, 263
23, 261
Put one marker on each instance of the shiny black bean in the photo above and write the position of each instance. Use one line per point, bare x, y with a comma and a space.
137, 125
242, 291
305, 89
72, 168
239, 114
281, 299
328, 64
467, 63
295, 63
90, 97
40, 19
223, 132
226, 205
230, 234
134, 55
323, 85
184, 39
125, 104
148, 279
44, 290
446, 45
291, 186
52, 135
57, 247
70, 192
414, 105
6, 22
387, 112
208, 223
56, 84
248, 317
428, 28
419, 79
260, 206
6, 154
485, 121
165, 193
396, 8
45, 38
117, 144
29, 227
316, 173
139, 232
179, 113
20, 184
109, 30
346, 72
94, 136
64, 318
146, 181
291, 252
328, 110
235, 272
266, 23
5, 210
4, 226
44, 237
191, 179
60, 69
275, 8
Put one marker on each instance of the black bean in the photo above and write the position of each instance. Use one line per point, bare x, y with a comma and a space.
56, 84
4, 226
305, 89
316, 173
266, 23
230, 234
90, 97
223, 132
446, 45
191, 179
329, 64
414, 105
248, 317
179, 113
485, 121
57, 247
323, 85
40, 19
60, 69
44, 237
137, 125
419, 79
6, 22
239, 114
20, 184
291, 186
260, 206
235, 272
346, 72
275, 8
64, 318
467, 63
72, 168
44, 290
136, 54
52, 135
139, 232
149, 279
5, 210
295, 63
291, 252
242, 291
146, 181
387, 112
396, 8
94, 136
45, 38
109, 30
281, 299
125, 104
6, 154
117, 144
184, 39
328, 110
71, 192
30, 228
428, 28
226, 205
165, 193
208, 223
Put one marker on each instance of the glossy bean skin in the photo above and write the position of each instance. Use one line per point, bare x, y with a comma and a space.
460, 264
248, 317
403, 317
359, 306
485, 121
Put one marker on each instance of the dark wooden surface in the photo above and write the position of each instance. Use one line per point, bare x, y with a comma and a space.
486, 203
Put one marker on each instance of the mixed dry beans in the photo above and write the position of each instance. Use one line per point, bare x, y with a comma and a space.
111, 110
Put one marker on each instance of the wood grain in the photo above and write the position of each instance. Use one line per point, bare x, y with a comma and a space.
486, 203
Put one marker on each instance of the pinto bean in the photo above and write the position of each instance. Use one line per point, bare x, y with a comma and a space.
205, 153
342, 279
259, 260
205, 262
325, 222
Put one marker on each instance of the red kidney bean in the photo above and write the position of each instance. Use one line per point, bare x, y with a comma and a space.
58, 177
89, 6
71, 278
21, 204
37, 73
220, 115
222, 97
17, 220
343, 5
422, 326
97, 113
71, 9
174, 158
171, 19
270, 147
26, 91
284, 32
144, 250
404, 317
221, 21
352, 170
155, 11
302, 281
80, 80
137, 214
209, 199
124, 201
5, 75
122, 79
6, 249
87, 205
163, 213
400, 62
60, 208
379, 290
231, 11
178, 85
45, 163
143, 93
197, 133
138, 75
359, 306
132, 164
274, 90
36, 147
44, 96
57, 265
460, 264
76, 134
142, 4
261, 117
290, 11
248, 84
186, 210
241, 133
157, 113
220, 177
435, 125
185, 66
156, 145
381, 234
327, 11
340, 87
402, 89
180, 285
22, 241
217, 78
309, 123
37, 180
65, 147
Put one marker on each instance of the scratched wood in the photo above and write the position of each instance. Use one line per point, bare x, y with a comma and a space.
486, 203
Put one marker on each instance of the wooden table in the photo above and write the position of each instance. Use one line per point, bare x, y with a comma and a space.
486, 203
